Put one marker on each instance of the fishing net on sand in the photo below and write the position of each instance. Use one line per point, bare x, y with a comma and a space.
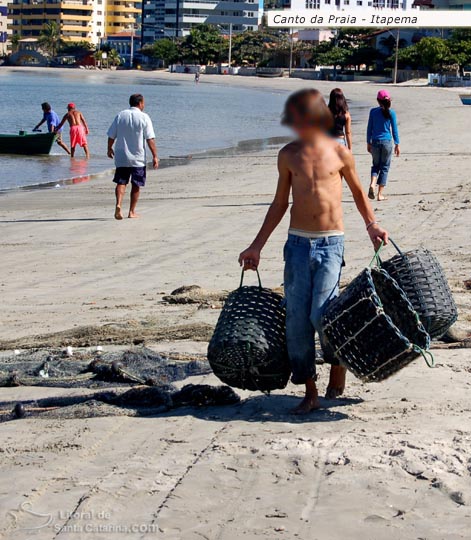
134, 382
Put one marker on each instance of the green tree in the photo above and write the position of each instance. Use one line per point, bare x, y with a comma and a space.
407, 58
163, 49
204, 45
434, 53
77, 47
50, 38
15, 42
389, 43
113, 58
251, 47
461, 54
326, 55
364, 55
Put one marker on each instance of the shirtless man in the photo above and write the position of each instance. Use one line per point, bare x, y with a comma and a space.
78, 129
312, 168
52, 121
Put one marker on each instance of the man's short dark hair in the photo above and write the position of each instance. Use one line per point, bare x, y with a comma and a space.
45, 106
307, 108
135, 100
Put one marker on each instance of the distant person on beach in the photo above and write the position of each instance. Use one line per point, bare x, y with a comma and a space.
311, 168
78, 129
52, 122
131, 130
197, 77
381, 132
342, 129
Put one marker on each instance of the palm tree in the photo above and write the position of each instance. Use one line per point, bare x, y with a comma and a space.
15, 41
113, 58
50, 37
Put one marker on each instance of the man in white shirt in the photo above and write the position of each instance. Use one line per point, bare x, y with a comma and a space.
130, 130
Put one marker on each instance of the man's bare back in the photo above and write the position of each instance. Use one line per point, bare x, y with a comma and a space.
316, 184
75, 118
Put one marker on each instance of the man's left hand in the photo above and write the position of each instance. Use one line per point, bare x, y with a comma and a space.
155, 162
378, 235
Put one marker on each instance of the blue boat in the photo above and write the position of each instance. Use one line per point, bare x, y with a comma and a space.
465, 99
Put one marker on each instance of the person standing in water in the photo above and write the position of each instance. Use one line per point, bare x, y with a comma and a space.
382, 131
52, 121
78, 129
131, 130
342, 129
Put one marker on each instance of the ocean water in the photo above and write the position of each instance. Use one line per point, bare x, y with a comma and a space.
188, 118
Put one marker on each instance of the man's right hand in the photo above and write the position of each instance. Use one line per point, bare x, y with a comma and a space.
250, 258
369, 147
155, 162
110, 153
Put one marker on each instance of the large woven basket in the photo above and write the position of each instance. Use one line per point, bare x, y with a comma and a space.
248, 347
373, 328
421, 277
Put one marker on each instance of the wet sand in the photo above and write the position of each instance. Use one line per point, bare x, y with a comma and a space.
390, 461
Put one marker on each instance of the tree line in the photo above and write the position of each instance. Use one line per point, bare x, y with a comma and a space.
351, 48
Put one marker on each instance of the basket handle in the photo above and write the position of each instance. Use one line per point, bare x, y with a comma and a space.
242, 278
377, 259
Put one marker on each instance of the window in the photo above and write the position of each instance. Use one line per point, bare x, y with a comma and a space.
346, 2
313, 4
250, 14
327, 2
359, 2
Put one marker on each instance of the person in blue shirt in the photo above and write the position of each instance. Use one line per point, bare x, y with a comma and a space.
52, 121
381, 133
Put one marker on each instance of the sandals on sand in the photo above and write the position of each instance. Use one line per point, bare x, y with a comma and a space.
371, 194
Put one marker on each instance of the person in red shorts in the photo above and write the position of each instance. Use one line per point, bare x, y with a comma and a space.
78, 129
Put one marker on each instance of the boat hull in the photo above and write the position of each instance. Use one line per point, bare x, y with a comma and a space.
465, 99
27, 144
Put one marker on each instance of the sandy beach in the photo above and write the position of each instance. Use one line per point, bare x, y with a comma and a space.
390, 461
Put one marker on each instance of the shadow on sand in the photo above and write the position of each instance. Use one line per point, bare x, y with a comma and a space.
273, 408
52, 220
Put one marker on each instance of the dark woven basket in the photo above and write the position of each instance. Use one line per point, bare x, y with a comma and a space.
373, 328
421, 277
248, 347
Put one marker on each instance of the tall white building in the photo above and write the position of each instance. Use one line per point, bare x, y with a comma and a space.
169, 18
3, 26
351, 4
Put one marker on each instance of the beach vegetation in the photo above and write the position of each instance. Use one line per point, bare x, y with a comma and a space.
165, 50
50, 38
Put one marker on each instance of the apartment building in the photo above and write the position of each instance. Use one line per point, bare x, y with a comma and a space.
351, 4
168, 18
3, 27
79, 20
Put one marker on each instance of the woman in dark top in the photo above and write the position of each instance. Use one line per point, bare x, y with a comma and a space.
342, 130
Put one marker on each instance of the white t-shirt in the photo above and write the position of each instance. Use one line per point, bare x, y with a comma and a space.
131, 129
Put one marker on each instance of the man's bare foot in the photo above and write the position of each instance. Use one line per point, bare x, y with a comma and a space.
310, 401
336, 385
133, 215
117, 213
382, 198
307, 405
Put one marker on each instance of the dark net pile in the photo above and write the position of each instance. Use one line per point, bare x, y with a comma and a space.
421, 277
135, 382
373, 328
248, 347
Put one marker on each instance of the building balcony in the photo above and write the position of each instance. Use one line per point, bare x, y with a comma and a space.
67, 17
75, 28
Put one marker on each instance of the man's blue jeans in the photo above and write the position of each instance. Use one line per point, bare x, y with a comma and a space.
311, 281
381, 152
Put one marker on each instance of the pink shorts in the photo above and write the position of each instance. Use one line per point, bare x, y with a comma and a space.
77, 136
